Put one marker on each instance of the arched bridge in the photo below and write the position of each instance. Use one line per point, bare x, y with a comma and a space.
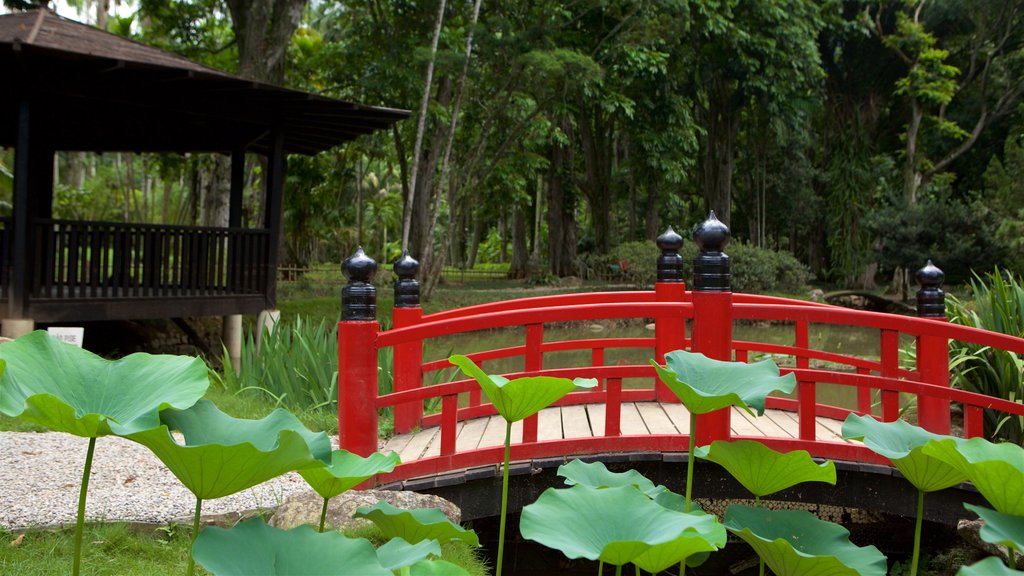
640, 422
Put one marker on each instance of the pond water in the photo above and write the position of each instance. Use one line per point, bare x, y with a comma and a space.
847, 340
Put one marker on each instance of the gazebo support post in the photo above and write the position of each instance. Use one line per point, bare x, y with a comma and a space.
231, 330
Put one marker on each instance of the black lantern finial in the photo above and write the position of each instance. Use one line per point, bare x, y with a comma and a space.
359, 296
931, 300
711, 265
407, 288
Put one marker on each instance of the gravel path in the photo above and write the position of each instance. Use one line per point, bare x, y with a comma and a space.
40, 476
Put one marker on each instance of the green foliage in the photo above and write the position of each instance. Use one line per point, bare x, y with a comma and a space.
797, 543
763, 471
222, 455
996, 470
415, 525
252, 547
1000, 529
617, 525
597, 475
296, 366
705, 385
346, 471
998, 305
991, 566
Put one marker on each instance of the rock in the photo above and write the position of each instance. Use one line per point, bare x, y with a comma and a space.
969, 531
570, 282
817, 295
595, 328
650, 326
304, 508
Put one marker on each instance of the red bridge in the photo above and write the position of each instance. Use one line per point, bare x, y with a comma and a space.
464, 440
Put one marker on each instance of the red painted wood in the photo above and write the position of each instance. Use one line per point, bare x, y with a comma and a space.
559, 346
357, 386
407, 375
449, 423
974, 422
712, 336
597, 359
533, 362
669, 333
864, 394
890, 351
933, 367
613, 408
805, 390
587, 298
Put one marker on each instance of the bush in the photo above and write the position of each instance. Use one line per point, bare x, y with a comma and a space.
998, 306
754, 270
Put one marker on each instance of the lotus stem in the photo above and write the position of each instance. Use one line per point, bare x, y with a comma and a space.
690, 458
323, 515
504, 495
618, 570
195, 534
600, 567
917, 533
80, 521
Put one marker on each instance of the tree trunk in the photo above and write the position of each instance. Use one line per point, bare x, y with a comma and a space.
651, 218
596, 140
561, 215
722, 126
911, 176
520, 254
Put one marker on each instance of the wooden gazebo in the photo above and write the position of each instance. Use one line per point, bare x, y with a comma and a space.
72, 87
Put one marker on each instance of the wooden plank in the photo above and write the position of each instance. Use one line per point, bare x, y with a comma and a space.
575, 423
821, 432
398, 442
741, 425
595, 413
469, 435
549, 424
434, 448
414, 449
494, 432
632, 424
679, 416
655, 418
834, 429
775, 423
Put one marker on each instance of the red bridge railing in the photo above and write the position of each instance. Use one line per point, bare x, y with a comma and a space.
708, 311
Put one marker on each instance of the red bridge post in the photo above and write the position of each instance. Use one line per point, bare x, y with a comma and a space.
357, 357
408, 359
932, 350
669, 332
712, 314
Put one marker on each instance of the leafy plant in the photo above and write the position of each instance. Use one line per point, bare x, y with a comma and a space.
415, 526
764, 471
704, 385
223, 455
69, 389
1001, 529
515, 400
990, 566
346, 471
996, 470
618, 525
903, 444
252, 547
998, 306
797, 543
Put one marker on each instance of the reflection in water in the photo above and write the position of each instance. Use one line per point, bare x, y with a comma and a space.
846, 340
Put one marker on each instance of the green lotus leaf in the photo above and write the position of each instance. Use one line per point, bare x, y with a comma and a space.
1002, 529
522, 397
996, 470
903, 444
436, 568
415, 525
991, 566
691, 547
705, 385
223, 455
252, 547
397, 553
764, 471
347, 470
797, 543
68, 389
597, 475
615, 525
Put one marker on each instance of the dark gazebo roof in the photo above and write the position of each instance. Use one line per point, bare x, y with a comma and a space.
102, 92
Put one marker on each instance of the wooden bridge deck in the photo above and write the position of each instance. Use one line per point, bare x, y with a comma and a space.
583, 421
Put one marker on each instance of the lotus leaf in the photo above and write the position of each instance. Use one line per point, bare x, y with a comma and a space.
990, 566
903, 444
705, 385
252, 547
996, 470
397, 553
522, 397
694, 546
1002, 529
415, 525
69, 389
347, 470
764, 471
223, 455
436, 568
797, 543
597, 475
616, 525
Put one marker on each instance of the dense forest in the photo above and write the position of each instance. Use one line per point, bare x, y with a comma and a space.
862, 136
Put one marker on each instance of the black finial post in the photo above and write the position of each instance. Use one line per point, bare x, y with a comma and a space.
359, 296
670, 263
407, 288
931, 300
711, 265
